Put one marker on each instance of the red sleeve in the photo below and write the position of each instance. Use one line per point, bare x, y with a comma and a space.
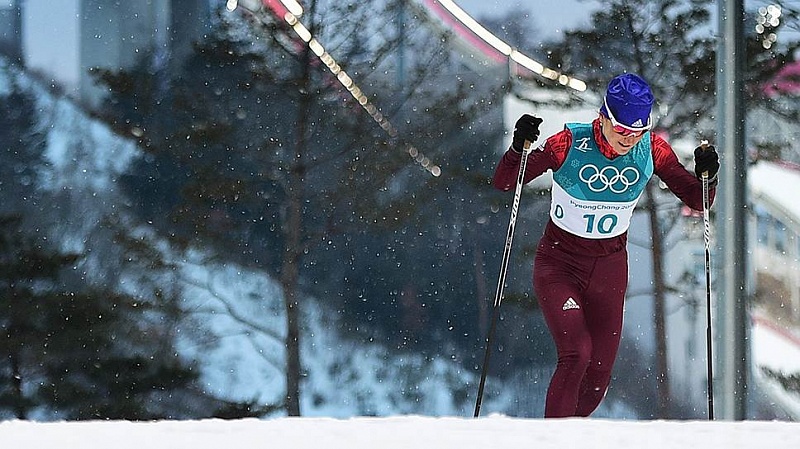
683, 183
548, 156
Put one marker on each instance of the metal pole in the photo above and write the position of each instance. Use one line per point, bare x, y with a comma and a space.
732, 295
498, 297
707, 245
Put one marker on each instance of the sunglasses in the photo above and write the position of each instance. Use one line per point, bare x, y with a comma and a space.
621, 129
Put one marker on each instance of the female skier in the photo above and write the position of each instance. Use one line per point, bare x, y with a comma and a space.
580, 273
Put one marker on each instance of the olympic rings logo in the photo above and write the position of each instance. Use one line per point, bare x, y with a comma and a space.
608, 178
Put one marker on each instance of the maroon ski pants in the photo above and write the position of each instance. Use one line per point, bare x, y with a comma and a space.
582, 299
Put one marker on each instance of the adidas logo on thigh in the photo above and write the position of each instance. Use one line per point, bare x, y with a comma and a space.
570, 304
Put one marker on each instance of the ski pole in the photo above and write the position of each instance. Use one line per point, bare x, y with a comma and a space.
498, 297
707, 240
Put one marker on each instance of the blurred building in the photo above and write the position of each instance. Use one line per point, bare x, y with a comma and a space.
64, 41
773, 310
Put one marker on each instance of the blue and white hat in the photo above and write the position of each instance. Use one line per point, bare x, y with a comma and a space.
628, 102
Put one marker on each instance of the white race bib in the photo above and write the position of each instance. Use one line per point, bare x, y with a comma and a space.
590, 219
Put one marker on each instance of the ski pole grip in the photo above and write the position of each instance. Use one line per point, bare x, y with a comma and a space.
704, 147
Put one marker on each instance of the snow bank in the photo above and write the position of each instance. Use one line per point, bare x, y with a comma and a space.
402, 432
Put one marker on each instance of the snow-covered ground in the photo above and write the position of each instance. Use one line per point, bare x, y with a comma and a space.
402, 432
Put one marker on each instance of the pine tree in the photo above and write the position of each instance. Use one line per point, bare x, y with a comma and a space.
72, 350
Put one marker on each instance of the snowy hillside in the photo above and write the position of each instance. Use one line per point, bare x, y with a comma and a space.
343, 379
236, 315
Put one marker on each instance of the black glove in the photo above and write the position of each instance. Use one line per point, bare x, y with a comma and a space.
706, 160
527, 128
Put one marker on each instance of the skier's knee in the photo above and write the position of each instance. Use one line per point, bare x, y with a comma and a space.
577, 358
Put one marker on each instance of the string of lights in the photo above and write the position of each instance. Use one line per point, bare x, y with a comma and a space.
507, 50
291, 11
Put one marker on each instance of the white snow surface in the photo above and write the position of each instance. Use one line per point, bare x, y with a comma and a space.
402, 432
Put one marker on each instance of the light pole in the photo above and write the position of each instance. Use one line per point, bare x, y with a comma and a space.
732, 288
